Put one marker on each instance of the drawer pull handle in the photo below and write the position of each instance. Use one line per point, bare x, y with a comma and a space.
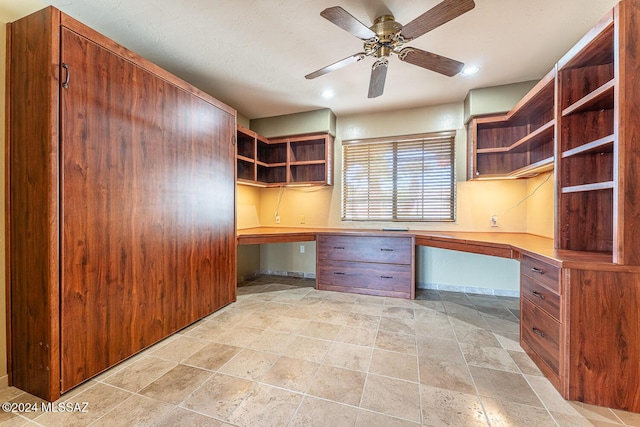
386, 277
538, 332
386, 250
537, 270
338, 273
538, 294
338, 247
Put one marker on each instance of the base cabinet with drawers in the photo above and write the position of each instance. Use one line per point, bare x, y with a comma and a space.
366, 264
580, 324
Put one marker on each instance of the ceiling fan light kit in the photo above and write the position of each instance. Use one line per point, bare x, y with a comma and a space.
386, 37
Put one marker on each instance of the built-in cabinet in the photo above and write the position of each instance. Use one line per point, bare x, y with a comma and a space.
121, 204
293, 160
366, 264
519, 143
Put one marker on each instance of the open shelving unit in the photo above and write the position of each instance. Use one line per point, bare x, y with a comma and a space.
295, 160
587, 143
519, 143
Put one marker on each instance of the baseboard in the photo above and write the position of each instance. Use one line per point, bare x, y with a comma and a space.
298, 274
470, 290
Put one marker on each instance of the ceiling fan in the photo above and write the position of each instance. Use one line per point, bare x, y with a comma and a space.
386, 37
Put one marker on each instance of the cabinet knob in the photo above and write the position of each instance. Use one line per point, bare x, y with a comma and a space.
338, 247
386, 277
386, 250
537, 270
338, 273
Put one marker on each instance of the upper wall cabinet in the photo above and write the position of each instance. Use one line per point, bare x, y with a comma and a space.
295, 160
519, 143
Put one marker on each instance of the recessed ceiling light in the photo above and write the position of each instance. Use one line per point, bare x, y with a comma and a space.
328, 93
470, 70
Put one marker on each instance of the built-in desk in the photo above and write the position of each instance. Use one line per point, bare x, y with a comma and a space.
580, 312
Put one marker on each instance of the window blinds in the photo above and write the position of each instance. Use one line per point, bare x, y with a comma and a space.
408, 178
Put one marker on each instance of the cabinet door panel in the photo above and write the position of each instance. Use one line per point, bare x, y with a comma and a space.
147, 209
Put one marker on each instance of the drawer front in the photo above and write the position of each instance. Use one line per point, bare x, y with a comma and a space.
546, 274
347, 274
390, 250
541, 333
540, 296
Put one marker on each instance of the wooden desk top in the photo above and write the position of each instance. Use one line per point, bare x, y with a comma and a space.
506, 245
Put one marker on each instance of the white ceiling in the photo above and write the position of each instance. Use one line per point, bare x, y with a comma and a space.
254, 54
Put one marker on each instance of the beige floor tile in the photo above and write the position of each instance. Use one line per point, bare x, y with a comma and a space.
179, 348
321, 413
509, 341
505, 386
524, 362
437, 329
501, 325
310, 349
423, 314
140, 374
348, 356
257, 320
219, 396
508, 414
489, 357
447, 375
212, 357
238, 336
372, 309
399, 312
442, 407
396, 365
207, 330
479, 338
266, 406
392, 396
341, 306
325, 331
184, 417
271, 342
596, 413
398, 325
338, 385
565, 420
101, 398
176, 384
374, 419
9, 419
355, 335
550, 397
288, 324
304, 312
328, 315
629, 418
135, 411
366, 321
435, 348
250, 364
400, 343
292, 374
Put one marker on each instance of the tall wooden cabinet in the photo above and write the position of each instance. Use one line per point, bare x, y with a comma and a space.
121, 203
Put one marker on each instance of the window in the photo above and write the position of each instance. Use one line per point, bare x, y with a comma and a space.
406, 178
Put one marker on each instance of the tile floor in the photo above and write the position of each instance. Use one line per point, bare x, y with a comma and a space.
288, 355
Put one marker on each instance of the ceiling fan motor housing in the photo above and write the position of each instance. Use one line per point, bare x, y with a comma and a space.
387, 29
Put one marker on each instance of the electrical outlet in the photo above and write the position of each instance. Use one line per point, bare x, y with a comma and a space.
277, 219
302, 219
494, 220
301, 249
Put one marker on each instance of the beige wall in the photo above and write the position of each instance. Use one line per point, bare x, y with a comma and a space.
477, 201
10, 10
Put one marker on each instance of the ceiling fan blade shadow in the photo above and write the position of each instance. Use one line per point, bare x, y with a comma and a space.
436, 16
336, 66
431, 61
347, 22
378, 76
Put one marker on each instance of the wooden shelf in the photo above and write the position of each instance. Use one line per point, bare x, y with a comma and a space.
296, 160
599, 99
608, 185
534, 168
598, 146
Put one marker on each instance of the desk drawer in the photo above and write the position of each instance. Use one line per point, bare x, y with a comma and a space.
540, 296
546, 274
541, 333
350, 275
382, 249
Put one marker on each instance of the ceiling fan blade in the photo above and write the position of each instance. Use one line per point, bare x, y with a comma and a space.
378, 76
335, 66
436, 16
431, 61
347, 22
